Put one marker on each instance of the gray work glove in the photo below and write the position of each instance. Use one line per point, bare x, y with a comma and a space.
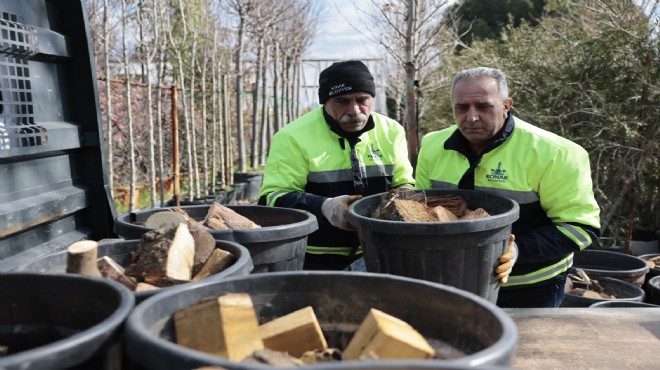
336, 211
507, 260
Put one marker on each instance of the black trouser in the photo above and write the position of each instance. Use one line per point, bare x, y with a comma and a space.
544, 294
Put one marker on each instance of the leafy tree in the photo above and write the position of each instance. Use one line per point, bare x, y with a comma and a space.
483, 20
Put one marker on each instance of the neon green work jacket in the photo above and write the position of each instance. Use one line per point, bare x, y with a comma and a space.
548, 176
309, 162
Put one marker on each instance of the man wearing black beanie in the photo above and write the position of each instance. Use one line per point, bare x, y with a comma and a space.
333, 155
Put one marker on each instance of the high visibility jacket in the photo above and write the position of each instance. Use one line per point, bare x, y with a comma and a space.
308, 163
548, 176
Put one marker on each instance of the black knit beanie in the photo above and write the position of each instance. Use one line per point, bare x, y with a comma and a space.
345, 77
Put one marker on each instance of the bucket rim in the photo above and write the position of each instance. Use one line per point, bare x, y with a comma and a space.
499, 220
643, 269
138, 333
307, 225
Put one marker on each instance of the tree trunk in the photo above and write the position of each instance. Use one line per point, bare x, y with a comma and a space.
411, 106
240, 135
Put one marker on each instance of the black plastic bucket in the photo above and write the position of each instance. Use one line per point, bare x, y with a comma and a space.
62, 322
253, 183
599, 264
653, 287
622, 304
279, 245
120, 252
474, 330
623, 290
462, 254
239, 190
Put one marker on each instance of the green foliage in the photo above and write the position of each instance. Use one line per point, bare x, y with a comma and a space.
590, 75
484, 20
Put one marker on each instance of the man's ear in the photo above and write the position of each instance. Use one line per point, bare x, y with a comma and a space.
508, 103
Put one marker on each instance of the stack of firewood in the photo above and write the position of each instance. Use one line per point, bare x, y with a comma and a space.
415, 206
227, 326
180, 250
580, 284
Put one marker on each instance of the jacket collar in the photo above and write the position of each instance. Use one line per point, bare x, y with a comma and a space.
459, 143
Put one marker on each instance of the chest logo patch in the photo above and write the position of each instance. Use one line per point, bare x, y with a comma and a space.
376, 154
497, 174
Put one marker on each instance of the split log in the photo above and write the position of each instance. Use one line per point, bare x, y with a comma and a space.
413, 211
165, 252
454, 203
226, 326
295, 333
220, 217
162, 281
477, 213
112, 270
387, 337
81, 258
204, 246
165, 220
219, 260
443, 214
387, 210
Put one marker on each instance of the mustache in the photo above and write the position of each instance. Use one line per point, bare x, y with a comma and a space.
360, 117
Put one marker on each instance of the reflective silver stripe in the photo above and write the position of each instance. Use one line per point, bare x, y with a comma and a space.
347, 174
272, 197
522, 197
442, 185
344, 251
574, 231
542, 274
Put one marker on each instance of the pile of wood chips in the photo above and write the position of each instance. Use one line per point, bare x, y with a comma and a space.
227, 326
415, 206
180, 250
583, 286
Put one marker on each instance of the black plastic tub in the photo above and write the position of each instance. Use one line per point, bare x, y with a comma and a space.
120, 252
279, 245
253, 182
462, 254
469, 328
624, 291
653, 287
62, 322
620, 266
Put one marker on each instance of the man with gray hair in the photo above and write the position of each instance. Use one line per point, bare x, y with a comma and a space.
549, 176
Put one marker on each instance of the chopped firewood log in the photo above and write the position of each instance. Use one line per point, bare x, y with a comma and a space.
413, 211
204, 246
219, 260
387, 210
443, 214
220, 217
192, 223
81, 258
225, 326
143, 287
477, 213
272, 358
165, 220
321, 355
4, 350
295, 333
454, 203
388, 338
166, 253
112, 270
